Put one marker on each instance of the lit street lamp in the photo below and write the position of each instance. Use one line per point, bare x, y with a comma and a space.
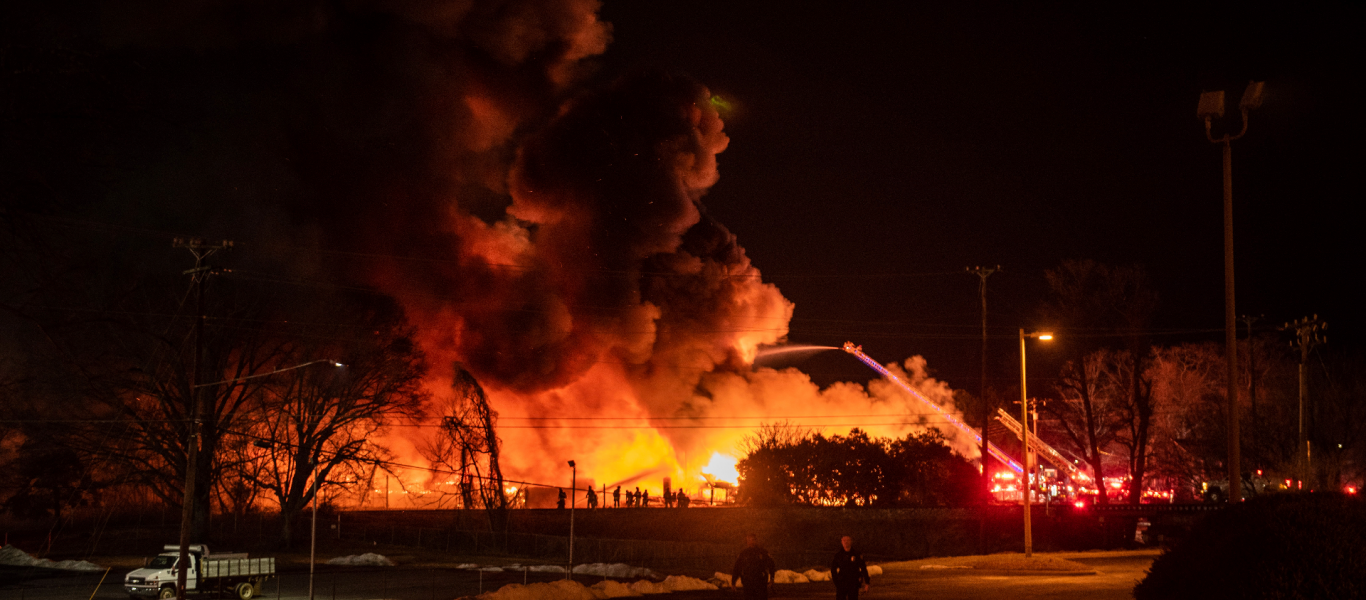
1212, 107
1025, 499
237, 379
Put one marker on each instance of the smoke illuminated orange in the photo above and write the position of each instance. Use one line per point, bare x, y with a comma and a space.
611, 322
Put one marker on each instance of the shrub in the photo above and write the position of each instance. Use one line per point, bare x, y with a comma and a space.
1283, 546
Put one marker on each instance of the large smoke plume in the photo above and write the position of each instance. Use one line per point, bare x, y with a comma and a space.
541, 222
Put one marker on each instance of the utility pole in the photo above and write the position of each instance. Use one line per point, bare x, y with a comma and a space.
1211, 107
1252, 384
1307, 335
313, 533
201, 250
983, 273
573, 489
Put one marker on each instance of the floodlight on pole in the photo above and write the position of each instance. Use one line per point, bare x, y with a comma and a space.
1212, 107
1252, 96
1027, 486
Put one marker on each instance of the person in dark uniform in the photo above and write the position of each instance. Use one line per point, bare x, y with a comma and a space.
848, 571
616, 497
560, 502
753, 569
592, 499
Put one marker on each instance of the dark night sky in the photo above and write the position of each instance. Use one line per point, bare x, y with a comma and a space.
878, 150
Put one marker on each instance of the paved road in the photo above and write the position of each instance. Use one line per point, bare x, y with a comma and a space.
1114, 579
342, 583
1116, 573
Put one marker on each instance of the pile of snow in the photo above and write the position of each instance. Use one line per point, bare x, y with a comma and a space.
814, 575
645, 586
614, 589
9, 555
563, 589
573, 590
683, 583
617, 570
369, 559
512, 568
785, 576
543, 568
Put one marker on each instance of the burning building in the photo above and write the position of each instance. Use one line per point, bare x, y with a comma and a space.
608, 317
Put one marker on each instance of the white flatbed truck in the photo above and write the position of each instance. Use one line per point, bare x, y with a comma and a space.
233, 573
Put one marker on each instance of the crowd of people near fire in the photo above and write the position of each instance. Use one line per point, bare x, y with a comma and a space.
634, 499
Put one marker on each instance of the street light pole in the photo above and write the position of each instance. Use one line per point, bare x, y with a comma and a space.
573, 487
237, 379
1027, 489
1212, 107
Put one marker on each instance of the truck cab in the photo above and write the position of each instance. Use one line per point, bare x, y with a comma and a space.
157, 578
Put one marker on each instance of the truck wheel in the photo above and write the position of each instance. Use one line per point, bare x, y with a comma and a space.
245, 591
166, 592
1215, 495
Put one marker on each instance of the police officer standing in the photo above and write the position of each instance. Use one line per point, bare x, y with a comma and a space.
848, 571
754, 570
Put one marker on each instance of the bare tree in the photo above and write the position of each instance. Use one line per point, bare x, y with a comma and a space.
156, 399
1188, 389
467, 445
317, 426
1107, 307
1088, 409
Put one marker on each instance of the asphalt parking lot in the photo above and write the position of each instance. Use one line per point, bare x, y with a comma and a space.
1113, 576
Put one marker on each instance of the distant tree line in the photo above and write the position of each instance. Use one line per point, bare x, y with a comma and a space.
1154, 414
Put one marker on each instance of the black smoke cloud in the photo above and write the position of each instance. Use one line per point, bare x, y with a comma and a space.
538, 225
